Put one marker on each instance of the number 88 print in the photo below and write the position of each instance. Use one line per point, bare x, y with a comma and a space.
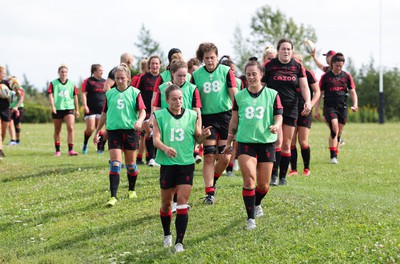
215, 86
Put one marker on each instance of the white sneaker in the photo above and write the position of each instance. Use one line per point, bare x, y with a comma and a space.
198, 159
251, 224
258, 211
179, 248
167, 241
153, 163
174, 207
334, 161
229, 173
236, 165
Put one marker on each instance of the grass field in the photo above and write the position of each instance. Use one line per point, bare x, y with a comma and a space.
53, 209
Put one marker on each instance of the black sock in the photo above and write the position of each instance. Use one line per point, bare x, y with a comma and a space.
293, 158
114, 183
306, 154
283, 167
260, 195
175, 197
166, 222
216, 177
150, 147
132, 173
249, 198
86, 139
181, 222
277, 162
57, 145
230, 167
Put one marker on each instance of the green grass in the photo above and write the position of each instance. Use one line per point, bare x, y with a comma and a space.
53, 209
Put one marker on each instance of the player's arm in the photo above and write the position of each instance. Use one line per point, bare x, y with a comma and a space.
354, 98
305, 92
232, 86
316, 94
100, 125
20, 101
233, 127
76, 102
201, 133
317, 62
108, 84
278, 118
317, 103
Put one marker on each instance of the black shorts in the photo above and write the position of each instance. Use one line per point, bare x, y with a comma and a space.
126, 139
5, 115
264, 152
173, 175
339, 113
219, 123
18, 119
304, 121
60, 114
289, 121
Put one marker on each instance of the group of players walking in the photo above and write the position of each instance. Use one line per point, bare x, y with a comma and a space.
203, 102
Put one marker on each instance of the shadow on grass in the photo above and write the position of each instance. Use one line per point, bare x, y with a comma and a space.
51, 171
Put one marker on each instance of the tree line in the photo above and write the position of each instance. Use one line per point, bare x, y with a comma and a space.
266, 28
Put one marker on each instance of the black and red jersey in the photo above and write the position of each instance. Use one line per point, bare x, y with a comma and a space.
336, 87
145, 83
4, 103
284, 78
95, 94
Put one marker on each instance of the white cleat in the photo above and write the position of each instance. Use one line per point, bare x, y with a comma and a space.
251, 224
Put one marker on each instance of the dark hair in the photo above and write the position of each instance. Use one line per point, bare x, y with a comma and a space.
338, 57
172, 52
193, 62
153, 57
170, 89
226, 60
94, 68
253, 61
284, 40
205, 47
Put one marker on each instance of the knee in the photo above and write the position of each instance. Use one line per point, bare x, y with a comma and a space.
115, 167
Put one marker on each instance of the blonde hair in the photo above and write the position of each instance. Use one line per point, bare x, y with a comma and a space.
144, 65
297, 55
62, 66
124, 68
267, 51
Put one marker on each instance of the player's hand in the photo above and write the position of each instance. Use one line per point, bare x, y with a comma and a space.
354, 108
54, 110
96, 138
206, 131
86, 109
227, 150
316, 114
306, 110
77, 115
138, 125
274, 129
170, 152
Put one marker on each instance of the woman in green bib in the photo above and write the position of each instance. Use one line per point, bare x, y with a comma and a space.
175, 131
63, 96
256, 119
124, 111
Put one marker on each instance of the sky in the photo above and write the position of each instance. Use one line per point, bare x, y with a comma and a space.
38, 36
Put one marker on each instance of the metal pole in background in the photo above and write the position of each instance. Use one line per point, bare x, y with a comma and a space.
381, 106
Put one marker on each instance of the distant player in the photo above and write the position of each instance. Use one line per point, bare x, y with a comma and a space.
17, 115
286, 75
334, 85
176, 129
145, 82
217, 86
124, 112
256, 120
303, 125
5, 113
63, 96
93, 98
